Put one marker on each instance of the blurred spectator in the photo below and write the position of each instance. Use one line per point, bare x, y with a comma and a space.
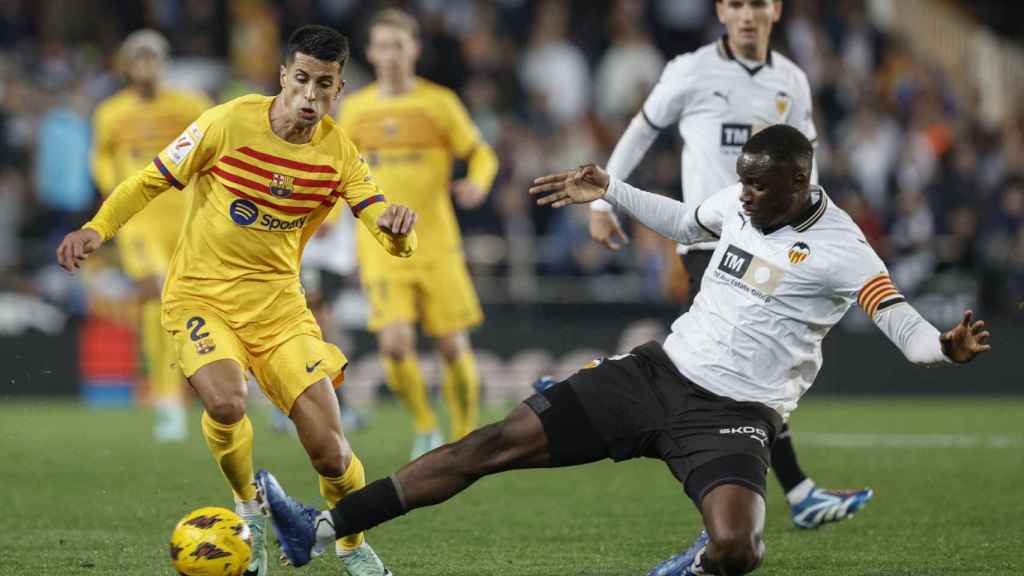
63, 181
871, 143
12, 191
550, 83
911, 259
553, 70
629, 68
957, 248
683, 26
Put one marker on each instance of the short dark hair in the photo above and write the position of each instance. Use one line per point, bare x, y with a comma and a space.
782, 143
320, 42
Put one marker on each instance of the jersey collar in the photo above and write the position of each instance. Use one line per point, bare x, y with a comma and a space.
723, 47
808, 217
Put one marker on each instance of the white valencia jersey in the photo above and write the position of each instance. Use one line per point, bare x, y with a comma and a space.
718, 102
768, 298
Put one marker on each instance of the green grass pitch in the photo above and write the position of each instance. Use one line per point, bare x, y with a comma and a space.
87, 492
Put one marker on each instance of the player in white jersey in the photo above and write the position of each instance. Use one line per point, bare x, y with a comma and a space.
712, 399
718, 96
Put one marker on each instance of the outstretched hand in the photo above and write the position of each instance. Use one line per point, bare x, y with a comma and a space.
966, 340
76, 247
585, 184
396, 220
605, 228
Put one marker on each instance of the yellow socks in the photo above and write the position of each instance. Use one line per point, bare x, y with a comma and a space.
462, 394
334, 489
164, 377
231, 446
406, 381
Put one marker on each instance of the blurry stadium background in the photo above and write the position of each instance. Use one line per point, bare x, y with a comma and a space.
919, 106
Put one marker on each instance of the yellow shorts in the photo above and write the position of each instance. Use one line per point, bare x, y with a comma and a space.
438, 293
285, 357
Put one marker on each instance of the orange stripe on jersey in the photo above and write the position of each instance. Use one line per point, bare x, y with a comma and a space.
877, 291
871, 285
877, 299
305, 182
868, 295
263, 188
278, 161
262, 202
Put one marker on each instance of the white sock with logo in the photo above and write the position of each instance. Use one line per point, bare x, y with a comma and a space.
800, 492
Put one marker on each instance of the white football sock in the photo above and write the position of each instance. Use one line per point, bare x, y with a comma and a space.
249, 507
800, 492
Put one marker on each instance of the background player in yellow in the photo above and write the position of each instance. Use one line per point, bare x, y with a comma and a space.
130, 128
410, 131
261, 174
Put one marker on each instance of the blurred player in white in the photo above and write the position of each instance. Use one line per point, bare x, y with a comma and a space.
719, 95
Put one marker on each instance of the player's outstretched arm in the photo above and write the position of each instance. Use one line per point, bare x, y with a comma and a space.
669, 218
585, 184
76, 247
965, 340
393, 227
396, 221
128, 199
921, 342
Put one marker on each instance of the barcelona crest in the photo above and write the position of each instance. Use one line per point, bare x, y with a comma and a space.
205, 346
281, 186
799, 252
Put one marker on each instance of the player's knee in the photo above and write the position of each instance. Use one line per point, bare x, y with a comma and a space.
451, 346
738, 551
396, 346
226, 409
328, 460
393, 351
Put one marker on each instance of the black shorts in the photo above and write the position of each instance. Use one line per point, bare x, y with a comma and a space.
322, 286
639, 405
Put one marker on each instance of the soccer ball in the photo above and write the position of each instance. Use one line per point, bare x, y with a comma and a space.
211, 542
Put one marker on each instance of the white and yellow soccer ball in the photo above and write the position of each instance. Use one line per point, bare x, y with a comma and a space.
211, 542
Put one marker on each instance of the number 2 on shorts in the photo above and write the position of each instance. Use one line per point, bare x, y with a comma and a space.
195, 324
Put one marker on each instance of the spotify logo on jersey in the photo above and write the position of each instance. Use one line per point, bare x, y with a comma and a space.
243, 212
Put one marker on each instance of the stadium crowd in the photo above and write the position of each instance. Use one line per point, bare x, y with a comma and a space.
902, 146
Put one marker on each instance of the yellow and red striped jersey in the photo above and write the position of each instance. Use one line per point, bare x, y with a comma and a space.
128, 131
256, 200
410, 142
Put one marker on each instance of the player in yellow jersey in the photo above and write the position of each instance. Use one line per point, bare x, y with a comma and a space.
410, 131
261, 173
129, 129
